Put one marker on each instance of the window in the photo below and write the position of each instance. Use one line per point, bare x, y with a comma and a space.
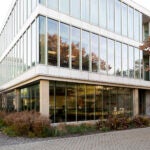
34, 43
60, 102
136, 25
94, 12
137, 62
85, 10
75, 47
103, 55
52, 44
141, 64
124, 60
117, 16
64, 45
118, 62
131, 62
53, 4
42, 2
64, 6
95, 52
103, 13
29, 48
130, 22
110, 14
25, 53
71, 98
33, 4
42, 39
111, 61
75, 8
85, 50
124, 19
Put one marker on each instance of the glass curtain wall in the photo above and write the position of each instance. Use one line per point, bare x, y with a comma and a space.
52, 42
30, 98
71, 102
113, 15
75, 47
64, 45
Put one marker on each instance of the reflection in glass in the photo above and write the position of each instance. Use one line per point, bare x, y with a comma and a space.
64, 6
85, 50
118, 58
75, 8
111, 66
124, 19
130, 22
117, 16
52, 101
110, 14
94, 52
64, 45
71, 102
34, 44
42, 39
75, 45
90, 102
103, 55
124, 60
98, 102
131, 62
52, 36
29, 48
81, 109
106, 102
136, 25
94, 12
30, 98
103, 12
60, 107
137, 63
53, 4
141, 64
85, 10
113, 100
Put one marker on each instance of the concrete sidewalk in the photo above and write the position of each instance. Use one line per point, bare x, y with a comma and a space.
136, 139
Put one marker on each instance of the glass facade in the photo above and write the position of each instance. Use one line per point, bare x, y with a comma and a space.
29, 97
113, 15
23, 55
20, 12
70, 102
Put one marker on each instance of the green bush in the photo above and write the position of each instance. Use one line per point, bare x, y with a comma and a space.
9, 131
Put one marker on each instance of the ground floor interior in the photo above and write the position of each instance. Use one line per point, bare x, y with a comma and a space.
72, 102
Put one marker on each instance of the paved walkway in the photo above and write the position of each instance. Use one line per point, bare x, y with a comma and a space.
136, 139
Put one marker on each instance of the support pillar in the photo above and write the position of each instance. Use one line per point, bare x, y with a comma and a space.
44, 97
135, 102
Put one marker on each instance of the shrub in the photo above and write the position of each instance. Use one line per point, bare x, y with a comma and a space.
41, 126
3, 114
117, 123
25, 123
139, 122
9, 131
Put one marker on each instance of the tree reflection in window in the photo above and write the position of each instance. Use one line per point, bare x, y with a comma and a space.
52, 42
64, 45
75, 45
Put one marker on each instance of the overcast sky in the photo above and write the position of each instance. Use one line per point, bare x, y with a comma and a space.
6, 4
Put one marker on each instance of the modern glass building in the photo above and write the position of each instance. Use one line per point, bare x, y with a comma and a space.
75, 60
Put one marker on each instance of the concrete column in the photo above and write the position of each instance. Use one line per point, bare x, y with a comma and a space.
135, 102
147, 103
17, 100
44, 97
